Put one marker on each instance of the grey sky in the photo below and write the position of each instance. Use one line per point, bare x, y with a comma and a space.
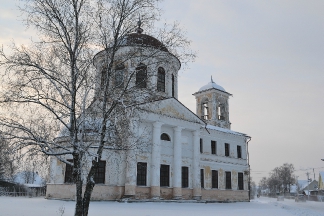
268, 54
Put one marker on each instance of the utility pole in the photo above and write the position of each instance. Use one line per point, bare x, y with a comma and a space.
308, 183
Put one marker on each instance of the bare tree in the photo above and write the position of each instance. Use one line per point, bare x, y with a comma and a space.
280, 179
55, 84
7, 166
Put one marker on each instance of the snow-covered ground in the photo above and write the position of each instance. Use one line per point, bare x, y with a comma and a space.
13, 206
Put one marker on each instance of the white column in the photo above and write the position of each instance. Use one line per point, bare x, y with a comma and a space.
155, 160
177, 161
130, 181
196, 172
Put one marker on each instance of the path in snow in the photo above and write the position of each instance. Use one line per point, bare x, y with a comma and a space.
17, 206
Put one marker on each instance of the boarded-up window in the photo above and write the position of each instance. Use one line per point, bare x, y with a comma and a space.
214, 179
185, 177
141, 173
68, 178
165, 175
240, 181
99, 176
228, 180
213, 147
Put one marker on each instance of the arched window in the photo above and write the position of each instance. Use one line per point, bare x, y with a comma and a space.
141, 75
165, 137
204, 110
119, 76
161, 80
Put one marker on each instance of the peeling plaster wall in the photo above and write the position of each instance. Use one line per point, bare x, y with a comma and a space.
116, 163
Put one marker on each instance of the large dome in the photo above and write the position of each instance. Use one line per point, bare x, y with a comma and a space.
212, 85
138, 39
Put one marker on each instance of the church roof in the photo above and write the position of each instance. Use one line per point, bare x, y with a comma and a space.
143, 40
224, 130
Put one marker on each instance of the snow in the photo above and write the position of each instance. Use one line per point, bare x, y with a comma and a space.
261, 206
212, 127
211, 85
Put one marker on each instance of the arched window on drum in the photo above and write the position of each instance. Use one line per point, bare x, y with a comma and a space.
165, 137
119, 76
161, 80
141, 75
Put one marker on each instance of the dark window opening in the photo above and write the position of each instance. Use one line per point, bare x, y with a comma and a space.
214, 179
240, 181
228, 180
119, 76
141, 173
172, 85
213, 147
202, 178
227, 150
201, 146
204, 110
161, 80
68, 178
141, 76
165, 175
103, 77
165, 137
185, 177
99, 177
239, 152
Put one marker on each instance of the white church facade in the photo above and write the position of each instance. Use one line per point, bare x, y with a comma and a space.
186, 155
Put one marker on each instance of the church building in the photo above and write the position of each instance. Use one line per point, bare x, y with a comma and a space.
186, 155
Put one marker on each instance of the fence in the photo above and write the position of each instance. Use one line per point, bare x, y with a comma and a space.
22, 191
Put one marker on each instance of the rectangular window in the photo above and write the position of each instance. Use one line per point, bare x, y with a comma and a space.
201, 146
184, 177
213, 147
239, 152
141, 173
227, 150
228, 180
214, 179
240, 181
68, 178
164, 175
202, 178
99, 176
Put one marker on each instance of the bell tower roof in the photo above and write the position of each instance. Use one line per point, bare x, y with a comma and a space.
211, 85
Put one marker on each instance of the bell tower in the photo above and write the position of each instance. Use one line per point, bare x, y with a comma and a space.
212, 105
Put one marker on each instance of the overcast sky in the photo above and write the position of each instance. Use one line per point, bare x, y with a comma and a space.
268, 54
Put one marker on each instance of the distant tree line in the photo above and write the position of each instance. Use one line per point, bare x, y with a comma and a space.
279, 181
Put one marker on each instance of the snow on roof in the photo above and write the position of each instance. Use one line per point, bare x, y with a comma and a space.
212, 127
212, 85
